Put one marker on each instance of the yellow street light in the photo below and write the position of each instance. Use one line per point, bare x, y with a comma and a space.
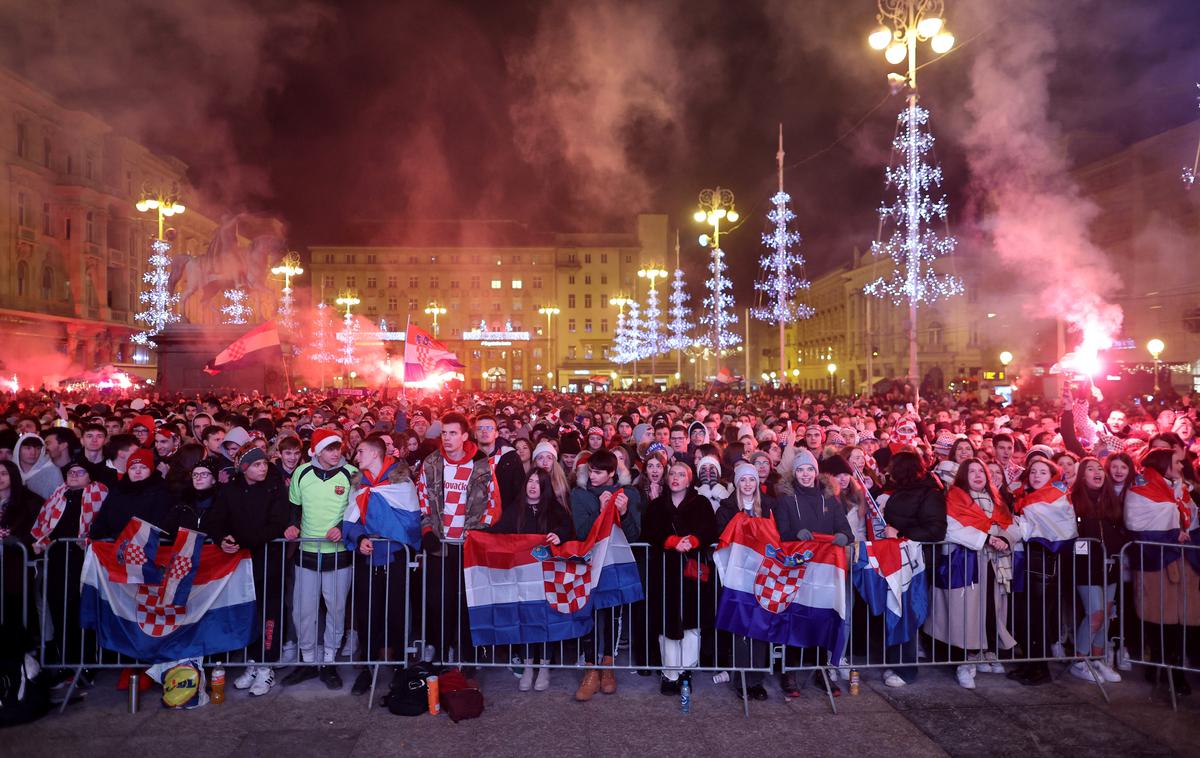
1156, 346
348, 299
895, 52
165, 204
831, 368
942, 43
287, 268
928, 27
1006, 358
880, 38
435, 310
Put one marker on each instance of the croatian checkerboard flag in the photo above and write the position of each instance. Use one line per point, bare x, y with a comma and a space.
202, 604
791, 593
1155, 512
889, 574
425, 357
521, 590
259, 338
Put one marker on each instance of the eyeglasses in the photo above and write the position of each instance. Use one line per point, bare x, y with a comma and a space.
202, 475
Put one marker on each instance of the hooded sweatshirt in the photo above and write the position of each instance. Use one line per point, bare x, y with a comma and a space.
43, 477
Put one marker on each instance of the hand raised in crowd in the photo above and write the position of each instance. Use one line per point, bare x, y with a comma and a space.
621, 501
892, 533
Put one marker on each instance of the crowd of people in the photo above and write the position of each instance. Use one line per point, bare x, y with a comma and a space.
999, 490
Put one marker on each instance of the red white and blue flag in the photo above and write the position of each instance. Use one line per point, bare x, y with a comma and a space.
203, 602
889, 575
791, 593
521, 590
1046, 517
425, 357
1155, 511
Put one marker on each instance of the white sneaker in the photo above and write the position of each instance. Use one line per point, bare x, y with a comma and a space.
543, 677
1123, 662
287, 654
1104, 670
427, 653
264, 680
1058, 650
892, 679
1081, 670
986, 663
526, 683
843, 669
965, 675
244, 681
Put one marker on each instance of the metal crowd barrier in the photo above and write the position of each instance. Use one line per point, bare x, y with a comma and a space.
1160, 605
413, 608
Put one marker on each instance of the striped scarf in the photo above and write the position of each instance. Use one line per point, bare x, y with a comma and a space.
52, 511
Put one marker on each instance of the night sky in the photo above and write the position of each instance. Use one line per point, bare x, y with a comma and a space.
575, 116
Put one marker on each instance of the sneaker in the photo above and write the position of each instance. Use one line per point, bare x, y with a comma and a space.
993, 665
517, 666
329, 676
362, 682
526, 683
965, 676
542, 683
1123, 662
1105, 671
843, 669
1081, 670
287, 653
1058, 650
787, 683
264, 680
299, 675
350, 644
892, 679
244, 681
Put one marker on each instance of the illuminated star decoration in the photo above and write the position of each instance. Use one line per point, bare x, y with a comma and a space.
780, 262
235, 309
159, 301
679, 325
719, 315
914, 245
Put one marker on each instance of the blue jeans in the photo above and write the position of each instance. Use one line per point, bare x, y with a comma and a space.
1097, 601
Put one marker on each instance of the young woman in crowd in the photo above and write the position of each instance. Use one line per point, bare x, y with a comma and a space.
545, 457
18, 509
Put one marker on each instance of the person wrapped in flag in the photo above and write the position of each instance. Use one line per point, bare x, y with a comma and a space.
1046, 520
972, 581
1166, 582
382, 520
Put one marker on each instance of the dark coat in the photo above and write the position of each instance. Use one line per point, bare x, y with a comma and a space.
585, 509
817, 509
510, 477
675, 602
542, 518
918, 511
147, 500
192, 510
253, 514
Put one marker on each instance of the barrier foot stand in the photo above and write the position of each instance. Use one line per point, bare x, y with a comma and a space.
1099, 681
745, 697
1171, 688
70, 689
374, 681
828, 690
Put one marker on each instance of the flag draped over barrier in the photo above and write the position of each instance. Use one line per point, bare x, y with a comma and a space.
201, 601
1155, 512
791, 593
521, 590
888, 574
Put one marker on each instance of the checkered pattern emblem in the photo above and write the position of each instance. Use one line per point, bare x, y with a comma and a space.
567, 583
236, 350
132, 554
422, 344
776, 584
181, 566
155, 617
454, 507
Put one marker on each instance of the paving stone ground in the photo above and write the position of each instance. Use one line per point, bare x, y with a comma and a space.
933, 716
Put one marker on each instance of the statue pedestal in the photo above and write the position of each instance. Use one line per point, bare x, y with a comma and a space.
184, 349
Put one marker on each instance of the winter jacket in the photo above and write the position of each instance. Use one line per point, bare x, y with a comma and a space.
483, 498
253, 514
585, 509
816, 509
917, 511
147, 500
43, 477
379, 521
192, 510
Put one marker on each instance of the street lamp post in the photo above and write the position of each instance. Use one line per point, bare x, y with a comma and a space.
347, 299
550, 311
1156, 347
653, 341
1005, 359
716, 205
832, 369
160, 312
165, 204
287, 268
435, 310
902, 23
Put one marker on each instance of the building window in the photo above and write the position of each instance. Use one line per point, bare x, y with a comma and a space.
571, 325
23, 209
572, 352
90, 226
433, 259
587, 352
412, 304
434, 283
352, 281
329, 257
571, 279
372, 258
47, 152
453, 284
496, 307
455, 258
22, 278
587, 301
372, 310
475, 259
604, 257
587, 278
412, 260
537, 282
629, 259
571, 300
351, 258
67, 228
22, 138
587, 326
604, 301
87, 166
517, 284
47, 226
391, 282
935, 333
516, 259
372, 282
604, 278
604, 326
413, 283
475, 282
393, 303
496, 284
129, 183
587, 257
327, 282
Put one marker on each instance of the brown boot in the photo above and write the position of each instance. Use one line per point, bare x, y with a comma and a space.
589, 685
608, 677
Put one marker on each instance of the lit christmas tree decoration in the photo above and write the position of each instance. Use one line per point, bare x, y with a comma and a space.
235, 309
914, 244
719, 314
322, 326
679, 326
159, 301
780, 263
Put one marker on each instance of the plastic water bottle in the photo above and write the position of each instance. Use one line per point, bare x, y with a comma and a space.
685, 695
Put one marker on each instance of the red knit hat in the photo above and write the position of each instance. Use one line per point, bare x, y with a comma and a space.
143, 421
323, 438
142, 456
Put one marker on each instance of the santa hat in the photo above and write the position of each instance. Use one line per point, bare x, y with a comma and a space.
323, 438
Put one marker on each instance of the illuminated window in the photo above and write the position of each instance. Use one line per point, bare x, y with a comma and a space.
496, 284
587, 326
517, 284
